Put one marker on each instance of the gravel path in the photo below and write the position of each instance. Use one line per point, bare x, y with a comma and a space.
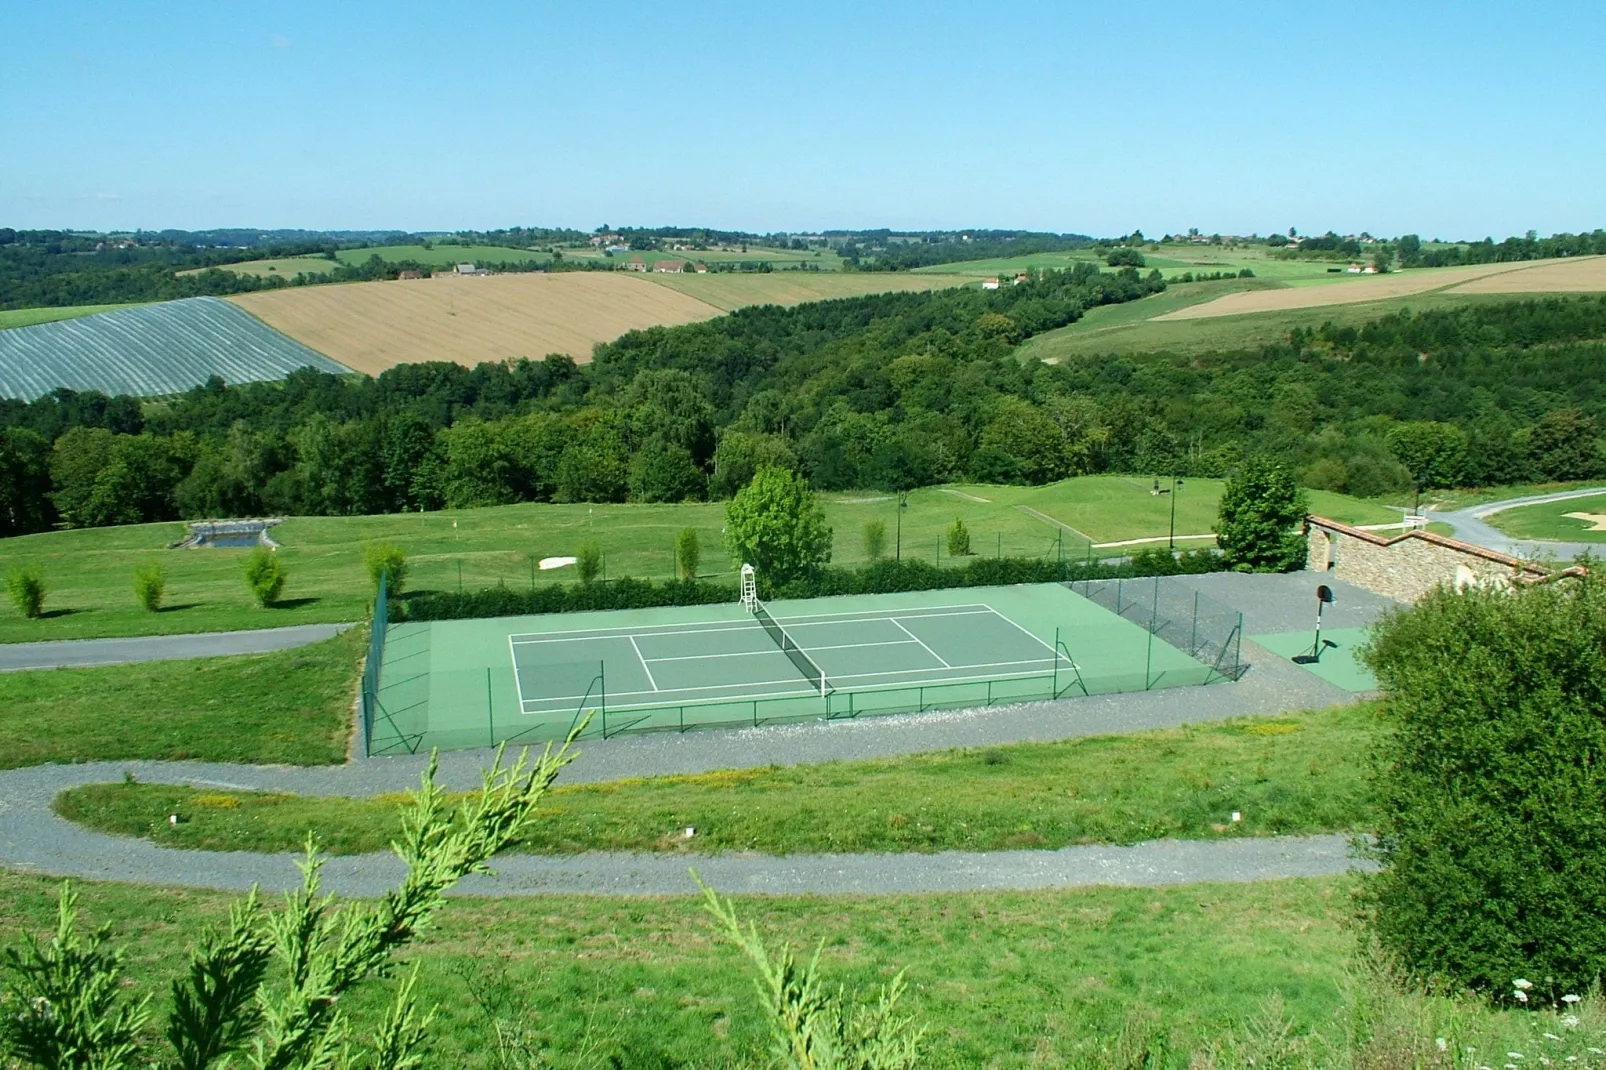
1470, 526
79, 653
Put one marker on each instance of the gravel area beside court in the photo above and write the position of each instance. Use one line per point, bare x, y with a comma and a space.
85, 653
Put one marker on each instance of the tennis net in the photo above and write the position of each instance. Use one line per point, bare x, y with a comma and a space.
805, 665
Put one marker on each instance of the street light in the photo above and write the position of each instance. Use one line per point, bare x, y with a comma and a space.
1176, 484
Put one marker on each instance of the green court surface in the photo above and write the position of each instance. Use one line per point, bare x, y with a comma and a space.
468, 683
1337, 665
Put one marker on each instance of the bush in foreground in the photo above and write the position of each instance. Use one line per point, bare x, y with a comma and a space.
1492, 789
26, 585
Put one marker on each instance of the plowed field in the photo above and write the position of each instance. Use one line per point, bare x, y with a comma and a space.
1584, 274
733, 290
371, 326
1346, 292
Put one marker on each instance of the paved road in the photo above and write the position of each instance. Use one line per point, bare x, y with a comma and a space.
79, 653
1470, 526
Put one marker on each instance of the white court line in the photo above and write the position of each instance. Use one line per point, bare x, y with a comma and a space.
805, 691
643, 661
773, 650
689, 628
1034, 638
923, 646
513, 655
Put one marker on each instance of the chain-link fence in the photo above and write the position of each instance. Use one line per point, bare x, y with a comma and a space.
1206, 630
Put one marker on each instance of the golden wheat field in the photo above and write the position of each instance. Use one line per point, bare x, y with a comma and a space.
1583, 274
1499, 278
733, 290
371, 326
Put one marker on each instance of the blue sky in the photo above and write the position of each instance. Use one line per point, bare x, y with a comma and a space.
1449, 119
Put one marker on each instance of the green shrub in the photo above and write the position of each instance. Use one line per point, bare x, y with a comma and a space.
1259, 520
388, 560
688, 553
150, 584
958, 539
875, 540
26, 585
264, 575
588, 561
777, 525
1492, 788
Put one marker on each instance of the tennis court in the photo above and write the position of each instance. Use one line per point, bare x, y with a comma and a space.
527, 679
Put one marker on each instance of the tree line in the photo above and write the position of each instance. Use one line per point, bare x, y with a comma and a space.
889, 391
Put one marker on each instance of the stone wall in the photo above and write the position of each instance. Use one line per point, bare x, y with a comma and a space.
1408, 566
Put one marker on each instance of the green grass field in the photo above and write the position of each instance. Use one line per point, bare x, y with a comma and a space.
292, 706
440, 255
27, 317
89, 572
1297, 774
1172, 261
1129, 328
823, 259
1553, 522
286, 268
1196, 975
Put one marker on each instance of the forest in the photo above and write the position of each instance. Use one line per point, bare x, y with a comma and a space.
888, 391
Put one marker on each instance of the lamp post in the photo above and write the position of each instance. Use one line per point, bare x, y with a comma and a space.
903, 503
1176, 484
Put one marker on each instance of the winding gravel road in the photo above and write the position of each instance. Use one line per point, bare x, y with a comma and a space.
1470, 526
84, 653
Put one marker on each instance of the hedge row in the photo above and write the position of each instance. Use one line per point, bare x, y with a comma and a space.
883, 577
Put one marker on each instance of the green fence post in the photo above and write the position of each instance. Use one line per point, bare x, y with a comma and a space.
1000, 555
490, 707
459, 575
1056, 663
1193, 635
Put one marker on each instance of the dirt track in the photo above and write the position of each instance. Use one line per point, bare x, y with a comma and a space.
1583, 273
371, 326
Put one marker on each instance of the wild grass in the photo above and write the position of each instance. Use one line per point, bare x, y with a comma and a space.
1300, 773
292, 706
27, 317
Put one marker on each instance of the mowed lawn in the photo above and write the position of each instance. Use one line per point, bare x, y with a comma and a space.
1301, 773
89, 572
1554, 520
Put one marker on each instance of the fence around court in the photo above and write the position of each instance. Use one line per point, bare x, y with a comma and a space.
415, 709
1206, 630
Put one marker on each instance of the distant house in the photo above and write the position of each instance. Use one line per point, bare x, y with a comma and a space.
702, 269
673, 267
469, 269
409, 274
635, 263
989, 284
1020, 278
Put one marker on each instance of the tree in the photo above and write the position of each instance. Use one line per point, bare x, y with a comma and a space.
1023, 443
875, 539
1410, 248
25, 504
1125, 257
388, 560
1261, 511
665, 472
67, 1004
1490, 789
958, 538
150, 584
1434, 453
776, 525
688, 553
26, 585
741, 454
588, 561
1565, 444
264, 576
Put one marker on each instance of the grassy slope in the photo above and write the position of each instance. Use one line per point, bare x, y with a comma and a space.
287, 268
1171, 260
89, 572
1127, 328
733, 290
1552, 522
826, 260
1298, 774
292, 706
1007, 980
27, 317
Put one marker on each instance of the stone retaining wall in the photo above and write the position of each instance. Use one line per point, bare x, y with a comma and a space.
1408, 566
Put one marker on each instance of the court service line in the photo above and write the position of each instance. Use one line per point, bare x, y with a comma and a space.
923, 646
803, 692
773, 650
513, 656
1047, 667
1030, 635
643, 661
